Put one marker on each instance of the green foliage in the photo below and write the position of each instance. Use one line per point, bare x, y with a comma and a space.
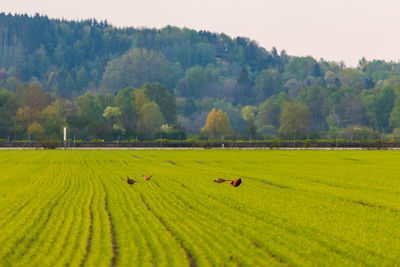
114, 114
269, 111
249, 113
173, 134
52, 122
150, 119
49, 143
379, 107
300, 68
137, 67
267, 131
267, 83
196, 80
33, 97
163, 98
186, 73
217, 125
394, 119
294, 119
125, 100
35, 130
358, 133
4, 96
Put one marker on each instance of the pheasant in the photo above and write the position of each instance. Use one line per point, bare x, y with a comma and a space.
237, 182
130, 181
146, 177
220, 180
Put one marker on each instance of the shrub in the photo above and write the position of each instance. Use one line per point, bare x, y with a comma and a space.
49, 143
358, 133
172, 134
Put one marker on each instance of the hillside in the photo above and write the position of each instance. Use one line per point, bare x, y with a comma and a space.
80, 68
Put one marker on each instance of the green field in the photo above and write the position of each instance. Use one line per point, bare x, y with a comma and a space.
323, 208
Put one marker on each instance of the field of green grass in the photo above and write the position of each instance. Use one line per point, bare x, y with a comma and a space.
297, 208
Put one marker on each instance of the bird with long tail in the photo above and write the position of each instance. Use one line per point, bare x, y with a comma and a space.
234, 183
147, 177
130, 181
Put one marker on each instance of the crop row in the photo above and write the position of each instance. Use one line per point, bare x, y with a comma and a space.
293, 208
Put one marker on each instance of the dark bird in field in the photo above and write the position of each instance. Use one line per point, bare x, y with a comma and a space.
146, 177
220, 180
237, 182
130, 181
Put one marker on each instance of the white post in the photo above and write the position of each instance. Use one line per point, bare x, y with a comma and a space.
65, 136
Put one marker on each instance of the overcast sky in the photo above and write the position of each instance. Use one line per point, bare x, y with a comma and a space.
331, 29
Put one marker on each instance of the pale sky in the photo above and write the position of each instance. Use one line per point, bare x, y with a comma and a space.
331, 29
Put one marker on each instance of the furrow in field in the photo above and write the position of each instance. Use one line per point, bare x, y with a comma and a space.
36, 214
77, 246
204, 226
70, 246
152, 183
104, 177
59, 228
210, 215
275, 225
59, 225
147, 228
193, 228
25, 191
100, 233
115, 248
90, 236
135, 244
60, 241
271, 254
318, 241
61, 207
334, 241
189, 256
75, 206
287, 229
113, 237
200, 249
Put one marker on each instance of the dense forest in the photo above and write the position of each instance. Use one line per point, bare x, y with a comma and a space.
104, 82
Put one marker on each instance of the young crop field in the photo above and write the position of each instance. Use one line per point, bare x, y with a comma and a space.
296, 208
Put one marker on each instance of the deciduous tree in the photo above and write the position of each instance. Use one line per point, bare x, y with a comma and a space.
217, 124
52, 121
35, 130
150, 120
294, 119
136, 67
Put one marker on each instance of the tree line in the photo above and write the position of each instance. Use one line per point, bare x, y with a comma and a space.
108, 82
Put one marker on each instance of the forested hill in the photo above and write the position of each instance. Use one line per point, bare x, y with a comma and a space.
82, 69
70, 56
